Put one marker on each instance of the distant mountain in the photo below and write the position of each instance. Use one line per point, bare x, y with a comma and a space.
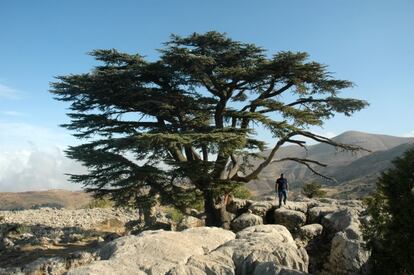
356, 173
349, 169
52, 198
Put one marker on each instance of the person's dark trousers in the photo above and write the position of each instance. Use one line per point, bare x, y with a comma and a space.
282, 195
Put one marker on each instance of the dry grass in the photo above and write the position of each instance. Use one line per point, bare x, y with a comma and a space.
27, 200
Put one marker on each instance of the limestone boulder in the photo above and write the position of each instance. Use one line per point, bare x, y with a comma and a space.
55, 265
311, 202
245, 220
162, 221
212, 263
6, 243
341, 219
316, 213
297, 206
238, 206
155, 252
271, 268
327, 201
190, 222
348, 255
261, 208
309, 232
292, 219
59, 265
264, 243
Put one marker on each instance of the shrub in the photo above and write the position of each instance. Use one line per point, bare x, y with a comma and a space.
100, 203
174, 214
313, 190
242, 192
390, 232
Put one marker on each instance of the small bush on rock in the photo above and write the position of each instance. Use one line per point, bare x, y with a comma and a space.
174, 214
100, 203
313, 190
242, 192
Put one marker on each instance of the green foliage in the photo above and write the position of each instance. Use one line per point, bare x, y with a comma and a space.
390, 232
242, 192
102, 202
23, 229
196, 204
313, 190
150, 129
174, 214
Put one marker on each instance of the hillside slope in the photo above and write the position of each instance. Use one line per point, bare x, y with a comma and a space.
363, 167
53, 198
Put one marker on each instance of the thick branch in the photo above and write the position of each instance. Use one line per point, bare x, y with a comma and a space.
280, 91
307, 100
205, 152
223, 173
266, 94
315, 137
236, 166
196, 156
307, 163
177, 154
301, 143
267, 161
348, 147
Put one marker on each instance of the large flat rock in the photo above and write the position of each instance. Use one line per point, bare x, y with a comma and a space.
155, 252
265, 243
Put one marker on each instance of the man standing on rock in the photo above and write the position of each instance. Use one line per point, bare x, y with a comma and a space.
281, 187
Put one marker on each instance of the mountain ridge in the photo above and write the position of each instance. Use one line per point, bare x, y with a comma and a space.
356, 173
339, 163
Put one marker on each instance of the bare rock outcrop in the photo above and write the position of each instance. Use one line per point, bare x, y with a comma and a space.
320, 236
264, 243
238, 206
271, 268
315, 214
81, 218
155, 252
347, 254
308, 233
297, 206
292, 219
245, 220
212, 263
261, 208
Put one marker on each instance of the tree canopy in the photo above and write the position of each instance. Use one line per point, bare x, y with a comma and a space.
183, 127
390, 232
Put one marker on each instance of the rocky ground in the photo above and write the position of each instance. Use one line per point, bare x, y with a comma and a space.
29, 234
309, 236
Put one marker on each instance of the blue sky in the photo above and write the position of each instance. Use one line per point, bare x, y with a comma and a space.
369, 42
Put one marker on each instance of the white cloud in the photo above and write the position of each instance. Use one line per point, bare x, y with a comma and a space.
410, 134
32, 158
13, 113
8, 92
34, 170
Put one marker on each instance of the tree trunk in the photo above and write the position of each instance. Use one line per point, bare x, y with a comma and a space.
216, 212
